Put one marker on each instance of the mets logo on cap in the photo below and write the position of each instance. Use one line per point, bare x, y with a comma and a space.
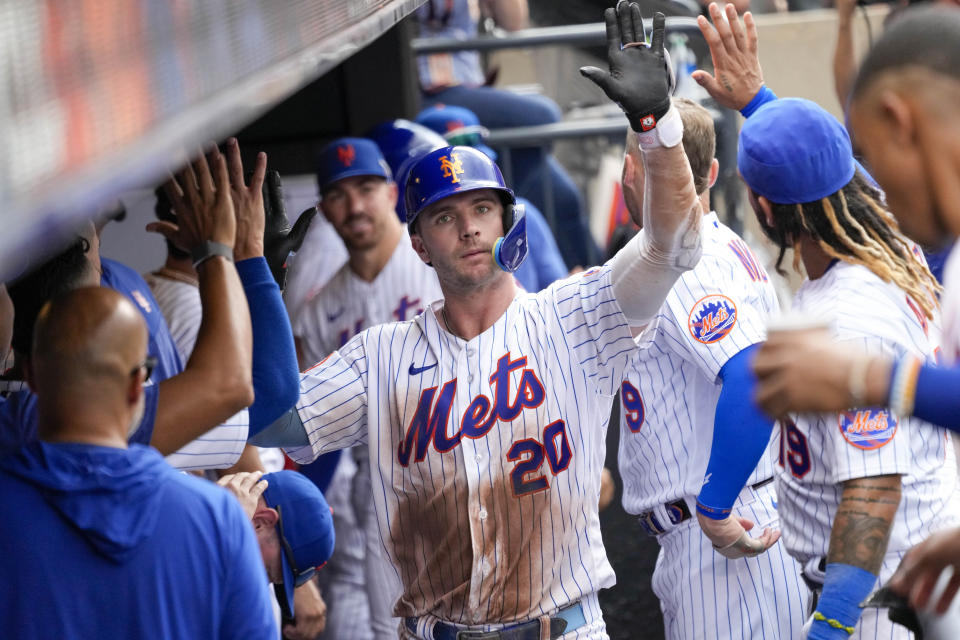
712, 318
867, 428
346, 154
451, 167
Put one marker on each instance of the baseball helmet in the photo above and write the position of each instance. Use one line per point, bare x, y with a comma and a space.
451, 170
347, 157
401, 143
401, 139
458, 125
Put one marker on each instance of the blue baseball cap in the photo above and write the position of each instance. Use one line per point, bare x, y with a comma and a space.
458, 125
347, 157
305, 528
792, 151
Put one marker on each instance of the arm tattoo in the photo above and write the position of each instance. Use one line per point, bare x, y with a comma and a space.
861, 528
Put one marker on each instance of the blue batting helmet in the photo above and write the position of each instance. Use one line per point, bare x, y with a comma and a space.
401, 143
401, 139
451, 170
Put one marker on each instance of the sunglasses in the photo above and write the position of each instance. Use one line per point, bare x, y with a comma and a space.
148, 365
300, 576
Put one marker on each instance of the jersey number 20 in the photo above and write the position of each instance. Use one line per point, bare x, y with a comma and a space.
529, 455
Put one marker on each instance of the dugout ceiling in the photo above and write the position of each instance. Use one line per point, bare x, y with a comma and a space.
106, 96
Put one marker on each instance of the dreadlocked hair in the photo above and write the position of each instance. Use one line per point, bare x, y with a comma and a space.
854, 226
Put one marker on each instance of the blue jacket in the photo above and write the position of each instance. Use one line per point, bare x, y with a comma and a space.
114, 543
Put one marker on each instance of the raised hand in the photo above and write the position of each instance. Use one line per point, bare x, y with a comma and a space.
639, 77
736, 65
247, 201
200, 197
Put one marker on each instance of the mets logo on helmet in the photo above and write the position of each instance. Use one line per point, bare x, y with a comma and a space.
346, 154
867, 428
451, 167
712, 318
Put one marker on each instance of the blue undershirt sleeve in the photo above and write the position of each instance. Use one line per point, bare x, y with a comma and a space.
321, 470
937, 400
276, 377
763, 96
741, 433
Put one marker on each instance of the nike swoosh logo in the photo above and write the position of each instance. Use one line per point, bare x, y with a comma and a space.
414, 369
333, 316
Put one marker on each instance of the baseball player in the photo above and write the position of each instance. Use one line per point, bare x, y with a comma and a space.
485, 415
383, 281
692, 375
908, 83
858, 488
855, 489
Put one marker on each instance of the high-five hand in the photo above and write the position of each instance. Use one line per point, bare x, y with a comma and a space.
639, 79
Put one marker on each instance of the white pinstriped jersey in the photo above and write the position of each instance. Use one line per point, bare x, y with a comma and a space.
348, 304
180, 304
818, 452
669, 397
220, 447
950, 304
485, 455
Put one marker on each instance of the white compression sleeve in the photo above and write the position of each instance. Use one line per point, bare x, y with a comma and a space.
642, 275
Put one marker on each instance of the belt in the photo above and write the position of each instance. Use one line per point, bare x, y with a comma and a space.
677, 512
762, 483
563, 621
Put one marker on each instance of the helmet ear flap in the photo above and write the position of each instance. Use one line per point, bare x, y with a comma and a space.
511, 250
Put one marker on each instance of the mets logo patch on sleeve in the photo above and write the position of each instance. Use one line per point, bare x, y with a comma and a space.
712, 318
867, 428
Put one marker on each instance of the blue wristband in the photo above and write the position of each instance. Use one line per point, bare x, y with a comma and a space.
763, 96
844, 588
937, 400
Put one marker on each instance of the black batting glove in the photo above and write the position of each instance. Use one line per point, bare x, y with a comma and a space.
639, 80
279, 239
